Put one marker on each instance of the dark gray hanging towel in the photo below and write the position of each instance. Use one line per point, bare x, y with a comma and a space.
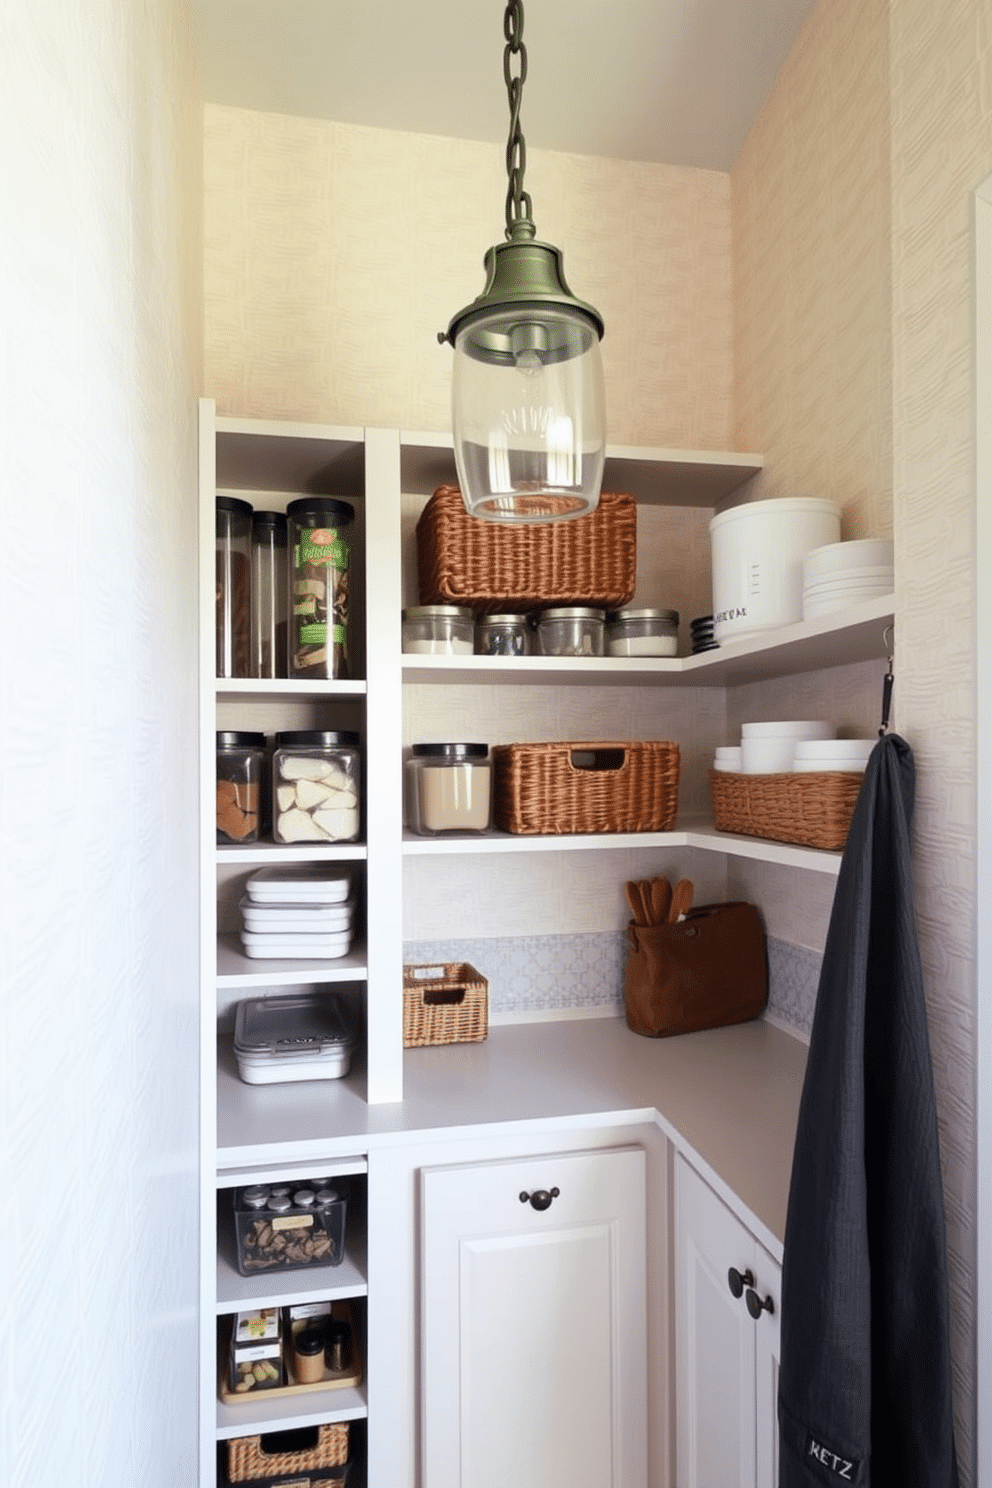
865, 1377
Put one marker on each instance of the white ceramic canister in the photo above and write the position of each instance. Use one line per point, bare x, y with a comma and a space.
757, 553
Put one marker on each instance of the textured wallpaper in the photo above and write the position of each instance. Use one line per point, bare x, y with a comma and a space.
100, 314
812, 294
334, 255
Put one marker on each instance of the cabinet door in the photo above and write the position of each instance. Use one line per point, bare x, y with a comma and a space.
533, 1363
726, 1368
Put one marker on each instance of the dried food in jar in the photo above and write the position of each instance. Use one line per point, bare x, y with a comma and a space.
316, 787
319, 560
240, 767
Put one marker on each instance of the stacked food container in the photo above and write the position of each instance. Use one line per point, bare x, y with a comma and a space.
846, 573
304, 911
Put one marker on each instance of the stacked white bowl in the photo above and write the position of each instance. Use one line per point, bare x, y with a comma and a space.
833, 754
769, 748
728, 757
846, 573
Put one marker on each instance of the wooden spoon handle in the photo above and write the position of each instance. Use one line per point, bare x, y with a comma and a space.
682, 897
661, 899
633, 893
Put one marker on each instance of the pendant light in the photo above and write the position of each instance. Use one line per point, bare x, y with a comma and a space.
527, 383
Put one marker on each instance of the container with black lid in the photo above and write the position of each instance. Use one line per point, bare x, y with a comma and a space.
241, 798
233, 586
319, 559
316, 786
448, 788
269, 581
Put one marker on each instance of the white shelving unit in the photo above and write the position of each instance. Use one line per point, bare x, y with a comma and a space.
250, 1132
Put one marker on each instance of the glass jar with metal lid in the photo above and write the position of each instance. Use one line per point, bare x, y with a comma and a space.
642, 633
449, 788
572, 630
316, 778
319, 534
502, 635
438, 630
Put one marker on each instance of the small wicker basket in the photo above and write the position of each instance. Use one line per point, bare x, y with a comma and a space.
446, 1004
808, 810
272, 1455
492, 567
565, 788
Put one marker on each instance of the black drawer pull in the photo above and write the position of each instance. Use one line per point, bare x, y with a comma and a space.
737, 1281
540, 1198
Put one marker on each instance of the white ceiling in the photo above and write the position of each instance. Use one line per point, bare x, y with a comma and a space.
673, 81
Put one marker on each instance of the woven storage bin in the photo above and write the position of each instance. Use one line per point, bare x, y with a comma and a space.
545, 788
493, 567
446, 1004
813, 809
253, 1456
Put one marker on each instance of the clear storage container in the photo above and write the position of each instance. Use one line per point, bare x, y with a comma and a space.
642, 633
502, 635
233, 586
269, 581
256, 1351
240, 786
319, 536
449, 788
438, 630
291, 1237
295, 1036
316, 778
572, 630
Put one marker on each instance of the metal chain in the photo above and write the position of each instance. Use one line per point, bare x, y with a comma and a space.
518, 207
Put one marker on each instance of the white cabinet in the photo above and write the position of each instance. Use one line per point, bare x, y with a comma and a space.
727, 1344
533, 1306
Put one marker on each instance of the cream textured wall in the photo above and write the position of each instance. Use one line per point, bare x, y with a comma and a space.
853, 295
334, 255
100, 348
812, 297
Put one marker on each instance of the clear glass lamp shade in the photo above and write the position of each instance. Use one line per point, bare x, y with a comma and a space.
528, 414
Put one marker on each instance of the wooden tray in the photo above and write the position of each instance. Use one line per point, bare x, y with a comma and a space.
332, 1381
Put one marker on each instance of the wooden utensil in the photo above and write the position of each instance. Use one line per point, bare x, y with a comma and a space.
633, 893
661, 900
682, 897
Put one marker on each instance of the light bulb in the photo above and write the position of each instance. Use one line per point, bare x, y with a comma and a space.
528, 362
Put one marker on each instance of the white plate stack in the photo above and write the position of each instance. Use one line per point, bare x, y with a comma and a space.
846, 573
851, 755
298, 913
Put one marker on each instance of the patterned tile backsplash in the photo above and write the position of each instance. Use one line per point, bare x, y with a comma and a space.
583, 974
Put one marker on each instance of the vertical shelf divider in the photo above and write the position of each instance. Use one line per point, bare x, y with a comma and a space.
383, 766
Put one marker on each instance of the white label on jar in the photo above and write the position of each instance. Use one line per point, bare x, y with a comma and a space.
650, 645
438, 648
257, 1351
292, 1222
454, 798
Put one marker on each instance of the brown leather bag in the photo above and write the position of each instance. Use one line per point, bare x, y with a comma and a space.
703, 971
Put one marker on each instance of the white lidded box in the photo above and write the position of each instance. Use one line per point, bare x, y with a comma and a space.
299, 884
300, 945
282, 919
300, 1036
757, 554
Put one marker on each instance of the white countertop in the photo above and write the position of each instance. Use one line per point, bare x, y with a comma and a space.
731, 1095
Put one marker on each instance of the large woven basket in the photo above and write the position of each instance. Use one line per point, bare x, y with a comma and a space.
274, 1454
809, 810
495, 567
604, 787
447, 1004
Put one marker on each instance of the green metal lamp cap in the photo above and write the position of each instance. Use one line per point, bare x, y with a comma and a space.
526, 275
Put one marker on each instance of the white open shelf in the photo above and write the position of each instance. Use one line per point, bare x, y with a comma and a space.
282, 1412
235, 969
324, 1283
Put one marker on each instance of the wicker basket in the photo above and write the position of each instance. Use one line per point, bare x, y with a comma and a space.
813, 809
273, 1455
493, 567
604, 787
446, 1004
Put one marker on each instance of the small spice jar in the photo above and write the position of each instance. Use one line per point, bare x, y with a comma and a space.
337, 1345
438, 630
319, 558
572, 630
502, 635
240, 774
308, 1355
449, 788
233, 586
642, 633
315, 786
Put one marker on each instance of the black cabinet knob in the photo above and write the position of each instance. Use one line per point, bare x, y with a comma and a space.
737, 1280
540, 1198
755, 1306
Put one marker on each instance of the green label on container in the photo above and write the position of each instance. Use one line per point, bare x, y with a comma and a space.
325, 547
313, 635
338, 633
